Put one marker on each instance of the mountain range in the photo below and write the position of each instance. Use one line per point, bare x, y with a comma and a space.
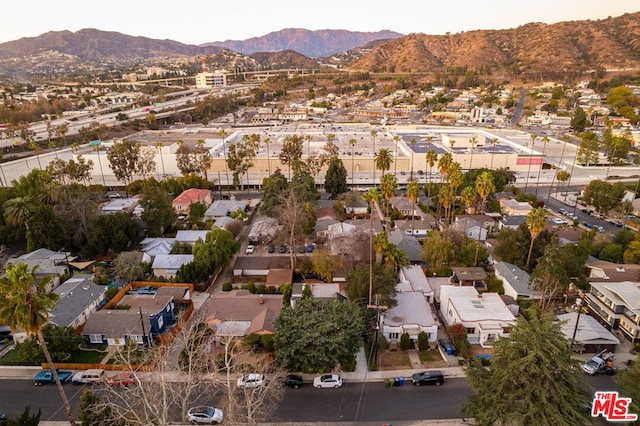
532, 49
313, 44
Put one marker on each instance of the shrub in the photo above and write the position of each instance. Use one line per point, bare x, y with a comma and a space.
405, 341
251, 286
423, 341
227, 286
267, 341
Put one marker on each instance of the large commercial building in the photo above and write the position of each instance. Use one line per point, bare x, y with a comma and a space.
209, 80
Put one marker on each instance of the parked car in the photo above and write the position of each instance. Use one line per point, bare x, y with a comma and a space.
92, 376
125, 378
559, 221
563, 211
205, 415
271, 248
432, 377
46, 376
292, 381
250, 249
327, 381
448, 346
283, 249
251, 381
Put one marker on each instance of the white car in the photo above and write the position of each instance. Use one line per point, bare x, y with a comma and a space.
204, 415
559, 221
327, 381
251, 381
251, 248
92, 376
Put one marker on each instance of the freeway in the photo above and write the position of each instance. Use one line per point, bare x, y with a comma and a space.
355, 402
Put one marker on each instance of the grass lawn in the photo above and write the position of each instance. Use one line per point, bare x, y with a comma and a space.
86, 357
394, 361
430, 355
12, 357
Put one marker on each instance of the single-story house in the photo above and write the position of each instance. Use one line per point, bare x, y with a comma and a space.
146, 317
221, 208
156, 246
511, 207
190, 236
414, 276
120, 205
471, 228
259, 266
182, 203
319, 290
515, 281
239, 313
278, 277
263, 230
469, 276
417, 228
408, 244
412, 315
512, 222
356, 207
79, 297
484, 315
167, 265
590, 335
48, 263
406, 208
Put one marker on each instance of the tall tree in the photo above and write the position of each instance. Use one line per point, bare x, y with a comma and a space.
388, 186
588, 151
241, 155
291, 153
335, 180
413, 143
123, 160
533, 142
316, 335
25, 304
383, 160
374, 133
396, 141
352, 143
485, 186
473, 142
536, 219
578, 120
158, 212
527, 367
412, 194
432, 158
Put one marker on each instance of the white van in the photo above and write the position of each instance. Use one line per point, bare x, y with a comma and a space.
92, 376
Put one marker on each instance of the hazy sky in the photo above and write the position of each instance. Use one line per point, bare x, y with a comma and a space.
197, 22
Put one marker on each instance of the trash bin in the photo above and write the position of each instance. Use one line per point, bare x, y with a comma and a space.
396, 381
400, 381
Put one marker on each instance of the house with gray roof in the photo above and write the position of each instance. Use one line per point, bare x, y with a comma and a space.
221, 208
167, 265
512, 222
587, 333
190, 236
515, 281
408, 244
416, 280
412, 315
48, 262
79, 297
156, 246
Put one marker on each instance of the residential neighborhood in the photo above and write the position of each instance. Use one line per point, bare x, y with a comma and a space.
251, 233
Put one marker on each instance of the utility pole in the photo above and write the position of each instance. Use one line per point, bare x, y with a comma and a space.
144, 333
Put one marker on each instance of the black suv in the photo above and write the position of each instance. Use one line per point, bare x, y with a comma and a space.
292, 381
448, 346
433, 377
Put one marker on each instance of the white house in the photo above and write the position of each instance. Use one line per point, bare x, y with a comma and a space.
484, 315
411, 315
515, 281
415, 278
167, 265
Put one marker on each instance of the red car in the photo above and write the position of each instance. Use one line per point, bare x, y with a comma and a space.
122, 379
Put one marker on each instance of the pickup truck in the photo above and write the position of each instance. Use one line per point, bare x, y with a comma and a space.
46, 376
601, 363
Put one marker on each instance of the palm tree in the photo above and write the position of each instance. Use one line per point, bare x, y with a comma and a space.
445, 199
223, 135
533, 141
388, 186
371, 197
374, 133
412, 194
380, 243
485, 186
456, 178
395, 257
494, 142
444, 164
25, 304
473, 141
96, 149
267, 141
396, 140
308, 139
565, 139
431, 158
159, 148
17, 211
33, 145
468, 196
413, 143
383, 160
545, 141
536, 219
352, 142
4, 178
